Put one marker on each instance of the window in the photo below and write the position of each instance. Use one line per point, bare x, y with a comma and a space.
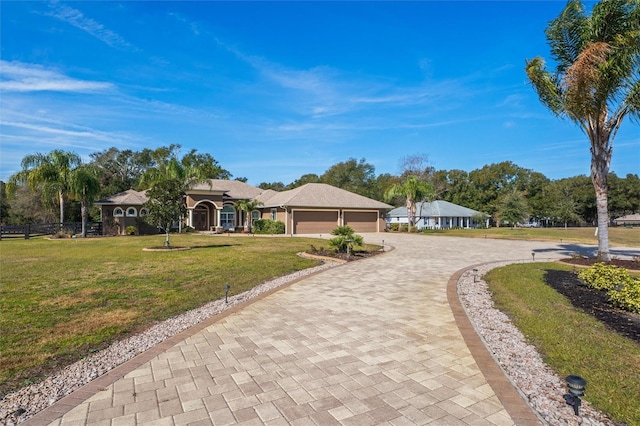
118, 212
144, 212
131, 211
227, 217
274, 214
255, 215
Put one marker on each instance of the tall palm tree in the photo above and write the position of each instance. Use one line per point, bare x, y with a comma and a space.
596, 83
49, 173
247, 206
84, 184
413, 190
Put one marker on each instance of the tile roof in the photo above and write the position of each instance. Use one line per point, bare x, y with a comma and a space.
438, 208
233, 188
130, 197
319, 195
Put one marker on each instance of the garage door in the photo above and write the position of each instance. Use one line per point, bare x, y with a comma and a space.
314, 222
362, 221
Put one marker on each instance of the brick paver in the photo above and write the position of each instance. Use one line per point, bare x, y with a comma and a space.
371, 342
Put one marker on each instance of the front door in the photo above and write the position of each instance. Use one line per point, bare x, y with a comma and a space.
201, 218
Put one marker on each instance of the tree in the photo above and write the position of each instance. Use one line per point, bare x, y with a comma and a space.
303, 180
168, 184
121, 170
247, 206
351, 175
4, 204
562, 206
165, 205
50, 174
596, 82
416, 165
84, 184
512, 208
276, 186
26, 207
412, 190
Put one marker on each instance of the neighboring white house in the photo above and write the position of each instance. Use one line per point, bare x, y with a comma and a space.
436, 215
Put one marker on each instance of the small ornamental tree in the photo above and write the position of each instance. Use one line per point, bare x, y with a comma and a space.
165, 205
345, 237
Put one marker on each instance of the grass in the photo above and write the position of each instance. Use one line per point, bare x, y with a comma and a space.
63, 299
571, 341
618, 236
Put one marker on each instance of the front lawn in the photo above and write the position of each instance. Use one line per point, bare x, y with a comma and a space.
62, 299
570, 340
618, 236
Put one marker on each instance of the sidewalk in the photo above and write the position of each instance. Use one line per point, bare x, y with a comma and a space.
370, 342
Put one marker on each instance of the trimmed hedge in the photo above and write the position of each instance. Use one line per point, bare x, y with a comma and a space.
268, 226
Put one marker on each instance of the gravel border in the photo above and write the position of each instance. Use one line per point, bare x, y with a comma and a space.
537, 383
23, 404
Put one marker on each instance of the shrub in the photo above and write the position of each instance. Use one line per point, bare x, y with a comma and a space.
345, 238
393, 226
627, 296
604, 277
404, 227
623, 290
131, 230
268, 226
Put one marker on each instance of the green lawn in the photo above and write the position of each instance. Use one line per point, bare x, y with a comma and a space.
571, 341
61, 299
618, 236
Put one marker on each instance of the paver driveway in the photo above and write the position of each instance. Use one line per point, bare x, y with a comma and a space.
369, 342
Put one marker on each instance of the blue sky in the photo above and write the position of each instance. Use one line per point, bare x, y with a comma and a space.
275, 90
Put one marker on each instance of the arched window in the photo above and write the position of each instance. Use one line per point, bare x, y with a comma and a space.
143, 212
118, 212
227, 217
132, 212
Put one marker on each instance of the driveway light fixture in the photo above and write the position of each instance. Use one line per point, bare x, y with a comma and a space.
575, 385
533, 256
226, 293
475, 274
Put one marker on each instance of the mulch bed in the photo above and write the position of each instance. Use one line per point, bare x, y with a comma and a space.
343, 256
595, 302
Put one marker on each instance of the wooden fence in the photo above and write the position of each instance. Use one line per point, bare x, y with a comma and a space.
37, 229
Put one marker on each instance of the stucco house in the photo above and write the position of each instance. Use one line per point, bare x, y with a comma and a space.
436, 215
309, 209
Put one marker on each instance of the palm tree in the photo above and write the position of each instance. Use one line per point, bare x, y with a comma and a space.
49, 173
413, 190
595, 84
247, 206
84, 184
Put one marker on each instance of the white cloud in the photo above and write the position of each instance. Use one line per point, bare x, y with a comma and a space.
21, 77
77, 19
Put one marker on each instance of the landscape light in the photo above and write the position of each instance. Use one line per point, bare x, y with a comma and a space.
576, 386
533, 256
475, 274
226, 293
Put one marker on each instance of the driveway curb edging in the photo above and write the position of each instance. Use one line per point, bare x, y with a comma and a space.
508, 394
